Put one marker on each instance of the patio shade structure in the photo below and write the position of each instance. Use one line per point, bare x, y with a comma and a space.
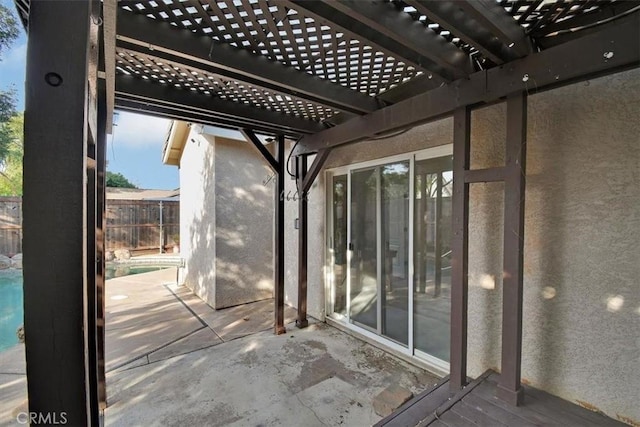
322, 73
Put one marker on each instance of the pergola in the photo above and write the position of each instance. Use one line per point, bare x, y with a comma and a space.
323, 73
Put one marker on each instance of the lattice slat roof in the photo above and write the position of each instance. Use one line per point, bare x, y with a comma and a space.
324, 60
186, 78
285, 35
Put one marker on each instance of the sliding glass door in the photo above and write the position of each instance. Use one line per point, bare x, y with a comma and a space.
394, 232
379, 244
432, 256
337, 243
364, 271
389, 238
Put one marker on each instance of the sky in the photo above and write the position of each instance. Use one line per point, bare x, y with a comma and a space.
134, 149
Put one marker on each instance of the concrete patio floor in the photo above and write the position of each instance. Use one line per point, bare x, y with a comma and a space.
173, 360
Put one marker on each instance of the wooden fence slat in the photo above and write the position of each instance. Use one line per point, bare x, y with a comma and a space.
130, 224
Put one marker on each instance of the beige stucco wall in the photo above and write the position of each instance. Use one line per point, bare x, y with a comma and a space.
226, 221
244, 224
197, 216
582, 256
315, 273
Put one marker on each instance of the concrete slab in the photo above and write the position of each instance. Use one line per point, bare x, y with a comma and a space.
13, 389
143, 315
242, 320
192, 365
200, 339
12, 360
13, 384
335, 402
262, 379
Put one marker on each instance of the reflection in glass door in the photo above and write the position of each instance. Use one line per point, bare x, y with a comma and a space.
379, 244
432, 256
364, 247
394, 193
338, 244
389, 241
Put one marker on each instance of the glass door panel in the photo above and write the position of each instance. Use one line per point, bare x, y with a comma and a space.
338, 244
394, 298
364, 246
432, 256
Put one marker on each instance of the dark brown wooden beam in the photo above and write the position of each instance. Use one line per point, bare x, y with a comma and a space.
253, 139
279, 239
239, 64
460, 248
315, 169
450, 17
602, 13
101, 183
495, 18
509, 386
92, 276
386, 24
570, 62
325, 14
301, 171
194, 116
146, 92
484, 175
60, 120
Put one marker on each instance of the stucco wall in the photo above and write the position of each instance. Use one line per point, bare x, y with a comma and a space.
226, 225
315, 273
244, 224
582, 260
197, 216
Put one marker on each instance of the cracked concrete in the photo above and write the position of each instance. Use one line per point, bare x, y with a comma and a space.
173, 360
246, 376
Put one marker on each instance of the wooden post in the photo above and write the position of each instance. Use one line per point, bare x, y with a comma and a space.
459, 248
60, 123
509, 387
101, 162
302, 321
279, 239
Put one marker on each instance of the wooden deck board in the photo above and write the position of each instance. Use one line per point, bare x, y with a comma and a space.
496, 412
477, 406
476, 415
412, 412
452, 419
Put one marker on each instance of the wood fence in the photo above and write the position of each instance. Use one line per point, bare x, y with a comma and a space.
10, 226
131, 224
142, 224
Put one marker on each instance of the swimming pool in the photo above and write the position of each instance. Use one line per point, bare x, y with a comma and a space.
11, 303
11, 307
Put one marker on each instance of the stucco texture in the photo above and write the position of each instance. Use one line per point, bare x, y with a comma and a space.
582, 231
227, 221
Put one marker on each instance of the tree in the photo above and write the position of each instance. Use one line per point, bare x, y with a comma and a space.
9, 29
11, 153
118, 180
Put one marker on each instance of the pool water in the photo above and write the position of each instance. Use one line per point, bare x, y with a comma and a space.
126, 270
11, 307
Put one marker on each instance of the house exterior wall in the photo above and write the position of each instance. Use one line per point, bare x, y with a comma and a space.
226, 221
316, 227
582, 225
197, 216
244, 224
